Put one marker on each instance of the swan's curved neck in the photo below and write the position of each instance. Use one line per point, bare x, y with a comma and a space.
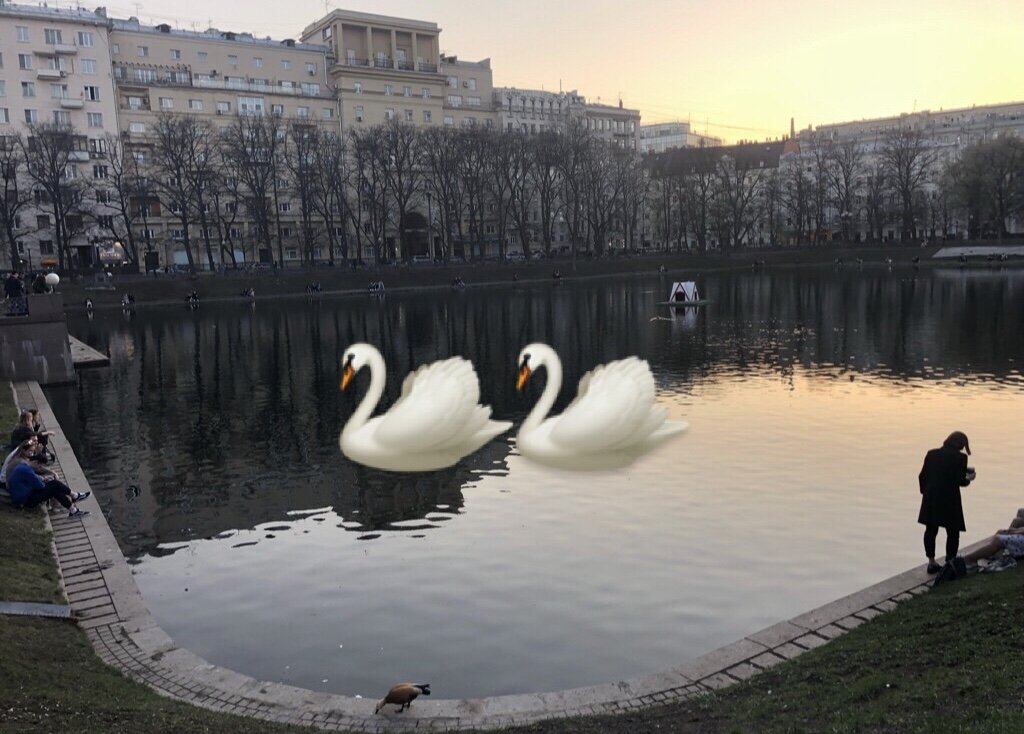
378, 374
548, 359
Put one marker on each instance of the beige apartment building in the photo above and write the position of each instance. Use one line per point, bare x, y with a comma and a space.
55, 68
535, 111
387, 68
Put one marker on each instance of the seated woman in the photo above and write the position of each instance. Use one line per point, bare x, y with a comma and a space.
28, 489
1011, 539
28, 428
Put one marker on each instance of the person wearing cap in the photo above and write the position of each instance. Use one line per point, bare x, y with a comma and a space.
944, 472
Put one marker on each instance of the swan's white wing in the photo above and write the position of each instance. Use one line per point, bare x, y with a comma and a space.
437, 402
614, 404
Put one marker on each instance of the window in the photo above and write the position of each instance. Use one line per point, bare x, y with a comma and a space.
136, 127
425, 92
166, 103
1, 60
260, 82
287, 85
408, 115
146, 76
327, 113
62, 118
291, 252
359, 113
115, 48
302, 112
285, 207
471, 84
92, 93
455, 100
46, 246
473, 101
135, 103
202, 55
99, 172
195, 104
357, 87
235, 82
142, 51
453, 82
310, 67
88, 66
277, 109
406, 91
223, 108
3, 88
286, 232
233, 59
250, 106
327, 33
388, 89
469, 122
86, 39
28, 89
312, 90
389, 113
105, 220
51, 36
286, 65
176, 53
426, 115
25, 62
449, 120
5, 115
97, 146
22, 32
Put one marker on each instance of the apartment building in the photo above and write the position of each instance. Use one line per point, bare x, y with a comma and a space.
662, 136
55, 68
469, 92
616, 124
534, 111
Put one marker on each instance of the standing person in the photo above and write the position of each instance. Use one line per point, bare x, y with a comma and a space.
14, 289
945, 470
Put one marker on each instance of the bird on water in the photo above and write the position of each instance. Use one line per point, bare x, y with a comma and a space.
402, 695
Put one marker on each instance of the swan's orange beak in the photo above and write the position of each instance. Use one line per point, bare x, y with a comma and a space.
346, 376
524, 375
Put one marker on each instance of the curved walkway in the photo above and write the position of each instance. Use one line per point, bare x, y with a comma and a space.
108, 606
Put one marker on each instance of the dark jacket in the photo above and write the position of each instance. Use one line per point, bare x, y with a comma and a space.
943, 473
21, 433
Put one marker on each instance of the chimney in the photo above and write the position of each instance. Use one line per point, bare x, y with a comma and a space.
792, 129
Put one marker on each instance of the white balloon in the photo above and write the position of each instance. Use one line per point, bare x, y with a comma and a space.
52, 279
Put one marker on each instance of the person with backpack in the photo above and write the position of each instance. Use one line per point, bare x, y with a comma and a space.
944, 472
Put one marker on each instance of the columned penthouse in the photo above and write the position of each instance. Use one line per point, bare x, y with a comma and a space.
384, 68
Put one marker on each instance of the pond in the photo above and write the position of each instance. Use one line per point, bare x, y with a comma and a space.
211, 442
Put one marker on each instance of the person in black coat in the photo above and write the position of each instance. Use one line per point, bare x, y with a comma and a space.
945, 470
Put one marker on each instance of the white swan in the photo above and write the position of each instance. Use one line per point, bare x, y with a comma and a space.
434, 423
611, 423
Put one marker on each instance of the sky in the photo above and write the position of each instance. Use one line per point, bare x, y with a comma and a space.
739, 69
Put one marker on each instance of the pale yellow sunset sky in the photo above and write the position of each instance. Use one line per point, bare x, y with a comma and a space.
741, 68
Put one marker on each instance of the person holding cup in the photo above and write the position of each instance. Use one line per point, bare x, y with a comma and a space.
944, 472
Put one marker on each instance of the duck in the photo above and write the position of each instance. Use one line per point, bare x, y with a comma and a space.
402, 695
612, 422
434, 423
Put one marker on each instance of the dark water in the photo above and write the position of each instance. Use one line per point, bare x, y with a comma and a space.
812, 396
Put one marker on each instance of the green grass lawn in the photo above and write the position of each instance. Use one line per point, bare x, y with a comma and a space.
947, 661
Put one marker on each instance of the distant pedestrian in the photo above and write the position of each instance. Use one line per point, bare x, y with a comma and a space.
14, 289
944, 472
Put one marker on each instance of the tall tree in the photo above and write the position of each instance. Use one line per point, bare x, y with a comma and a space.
545, 178
330, 166
301, 161
115, 192
520, 190
907, 159
400, 160
51, 153
13, 196
846, 164
441, 153
250, 147
369, 184
739, 182
173, 158
473, 172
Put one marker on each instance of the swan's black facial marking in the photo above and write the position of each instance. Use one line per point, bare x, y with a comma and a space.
526, 359
351, 357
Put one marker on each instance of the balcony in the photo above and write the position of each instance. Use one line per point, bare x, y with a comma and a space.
65, 49
70, 103
426, 67
382, 62
50, 74
80, 156
406, 65
356, 62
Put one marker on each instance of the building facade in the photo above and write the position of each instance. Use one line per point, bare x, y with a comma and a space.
55, 70
535, 111
662, 136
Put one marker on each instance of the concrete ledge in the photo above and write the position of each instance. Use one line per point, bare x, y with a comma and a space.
108, 605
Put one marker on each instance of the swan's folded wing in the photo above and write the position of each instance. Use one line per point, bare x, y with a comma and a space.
435, 405
613, 405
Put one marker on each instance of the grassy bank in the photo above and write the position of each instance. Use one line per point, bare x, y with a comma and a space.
289, 282
947, 661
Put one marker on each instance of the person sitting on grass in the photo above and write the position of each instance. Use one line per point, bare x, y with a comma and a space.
1011, 539
28, 489
29, 426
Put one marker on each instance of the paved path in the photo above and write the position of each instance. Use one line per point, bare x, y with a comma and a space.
108, 606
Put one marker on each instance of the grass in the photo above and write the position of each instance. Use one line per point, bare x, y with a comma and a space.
947, 661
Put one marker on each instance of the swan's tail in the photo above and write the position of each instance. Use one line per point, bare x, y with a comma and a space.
664, 433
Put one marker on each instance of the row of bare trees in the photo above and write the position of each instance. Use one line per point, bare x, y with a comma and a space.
241, 187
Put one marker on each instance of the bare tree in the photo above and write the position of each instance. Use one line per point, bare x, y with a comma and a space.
573, 151
250, 148
876, 194
13, 197
771, 205
441, 153
117, 190
301, 162
846, 164
473, 172
400, 151
738, 184
227, 199
329, 189
906, 159
545, 177
796, 199
202, 170
518, 163
50, 152
819, 175
174, 154
698, 193
369, 181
